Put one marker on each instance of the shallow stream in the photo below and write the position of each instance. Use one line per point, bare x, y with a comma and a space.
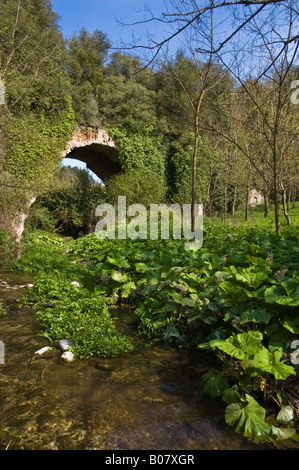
150, 398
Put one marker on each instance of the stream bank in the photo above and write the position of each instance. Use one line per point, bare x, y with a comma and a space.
148, 399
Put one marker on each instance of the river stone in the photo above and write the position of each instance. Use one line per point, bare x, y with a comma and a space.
64, 345
47, 351
68, 356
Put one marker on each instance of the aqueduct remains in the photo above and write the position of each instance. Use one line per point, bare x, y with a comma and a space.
91, 146
95, 148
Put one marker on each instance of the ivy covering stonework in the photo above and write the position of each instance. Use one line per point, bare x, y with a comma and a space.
37, 116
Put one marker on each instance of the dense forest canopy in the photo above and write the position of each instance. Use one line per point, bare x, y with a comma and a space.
202, 127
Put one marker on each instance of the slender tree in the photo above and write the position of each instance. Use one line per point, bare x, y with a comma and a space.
197, 85
257, 42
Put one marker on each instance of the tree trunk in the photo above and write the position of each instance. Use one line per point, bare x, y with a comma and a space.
246, 204
276, 209
234, 202
275, 182
194, 162
207, 209
266, 204
225, 199
289, 199
284, 200
194, 168
293, 197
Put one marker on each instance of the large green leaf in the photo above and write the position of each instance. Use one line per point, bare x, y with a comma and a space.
248, 419
291, 323
119, 277
177, 297
141, 267
252, 278
270, 362
234, 294
286, 293
240, 346
120, 262
282, 433
231, 288
229, 346
273, 293
215, 384
285, 414
127, 288
255, 315
231, 395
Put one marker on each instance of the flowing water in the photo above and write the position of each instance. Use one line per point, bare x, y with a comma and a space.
150, 398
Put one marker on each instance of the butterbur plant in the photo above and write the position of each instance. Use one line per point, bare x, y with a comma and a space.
248, 418
237, 298
248, 368
67, 310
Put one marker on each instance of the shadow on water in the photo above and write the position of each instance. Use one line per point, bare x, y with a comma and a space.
150, 398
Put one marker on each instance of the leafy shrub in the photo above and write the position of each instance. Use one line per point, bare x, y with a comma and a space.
77, 314
99, 342
69, 206
139, 186
43, 253
40, 218
7, 248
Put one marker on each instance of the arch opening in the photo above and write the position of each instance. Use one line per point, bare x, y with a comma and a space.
71, 208
97, 150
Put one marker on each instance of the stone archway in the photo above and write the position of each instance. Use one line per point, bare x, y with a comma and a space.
89, 145
95, 148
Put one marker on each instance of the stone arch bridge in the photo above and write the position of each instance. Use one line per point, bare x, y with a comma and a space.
95, 148
89, 145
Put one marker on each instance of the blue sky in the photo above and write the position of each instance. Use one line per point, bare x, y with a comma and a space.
105, 15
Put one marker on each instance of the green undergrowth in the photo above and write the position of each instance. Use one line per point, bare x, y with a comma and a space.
256, 217
236, 298
68, 310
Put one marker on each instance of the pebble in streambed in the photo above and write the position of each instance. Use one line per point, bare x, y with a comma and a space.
48, 351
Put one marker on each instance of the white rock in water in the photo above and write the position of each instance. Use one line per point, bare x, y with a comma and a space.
47, 351
75, 283
68, 356
64, 345
30, 285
